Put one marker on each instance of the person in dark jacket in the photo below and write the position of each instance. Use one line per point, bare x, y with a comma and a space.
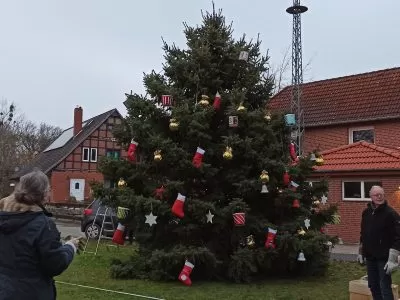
380, 244
31, 252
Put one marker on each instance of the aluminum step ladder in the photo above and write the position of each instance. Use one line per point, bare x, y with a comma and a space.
107, 213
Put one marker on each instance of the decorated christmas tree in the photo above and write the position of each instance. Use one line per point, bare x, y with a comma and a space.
212, 187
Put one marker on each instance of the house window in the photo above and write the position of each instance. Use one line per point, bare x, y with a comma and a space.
366, 134
113, 154
93, 154
85, 154
357, 190
110, 184
77, 185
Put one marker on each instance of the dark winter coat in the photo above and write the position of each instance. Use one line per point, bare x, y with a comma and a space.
30, 253
380, 231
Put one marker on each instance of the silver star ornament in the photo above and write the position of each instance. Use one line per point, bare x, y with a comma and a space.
151, 219
210, 217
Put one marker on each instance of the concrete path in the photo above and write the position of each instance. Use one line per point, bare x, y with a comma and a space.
69, 228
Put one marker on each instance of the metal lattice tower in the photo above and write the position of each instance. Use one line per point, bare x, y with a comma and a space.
297, 75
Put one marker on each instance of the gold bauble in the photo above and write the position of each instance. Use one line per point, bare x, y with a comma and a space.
204, 100
301, 231
228, 153
157, 155
264, 176
173, 125
250, 241
241, 107
121, 183
319, 161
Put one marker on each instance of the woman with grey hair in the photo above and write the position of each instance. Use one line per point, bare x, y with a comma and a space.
31, 252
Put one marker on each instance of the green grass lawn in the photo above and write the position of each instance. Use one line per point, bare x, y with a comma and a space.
91, 270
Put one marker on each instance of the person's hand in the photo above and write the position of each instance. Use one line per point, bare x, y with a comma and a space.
360, 259
393, 261
78, 243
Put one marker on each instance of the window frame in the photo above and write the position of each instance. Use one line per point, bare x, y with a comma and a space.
88, 154
91, 152
364, 198
363, 128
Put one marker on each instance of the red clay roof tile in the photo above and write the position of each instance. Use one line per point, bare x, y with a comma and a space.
361, 97
360, 156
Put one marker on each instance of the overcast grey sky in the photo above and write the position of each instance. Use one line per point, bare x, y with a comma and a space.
56, 54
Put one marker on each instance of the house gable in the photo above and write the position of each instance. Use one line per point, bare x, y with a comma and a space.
55, 157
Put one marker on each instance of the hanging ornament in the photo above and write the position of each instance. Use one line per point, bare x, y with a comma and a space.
244, 55
286, 178
296, 203
122, 212
307, 223
239, 219
132, 151
173, 124
267, 116
204, 100
209, 217
319, 161
250, 241
118, 236
233, 121
121, 183
264, 189
157, 155
241, 107
166, 100
184, 276
301, 231
294, 186
264, 176
159, 192
301, 256
292, 151
217, 101
228, 153
198, 157
151, 219
313, 157
324, 199
178, 207
270, 238
336, 219
316, 202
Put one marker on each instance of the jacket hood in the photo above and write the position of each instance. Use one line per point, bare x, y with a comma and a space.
12, 221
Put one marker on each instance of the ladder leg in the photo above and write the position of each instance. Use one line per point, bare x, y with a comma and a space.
101, 230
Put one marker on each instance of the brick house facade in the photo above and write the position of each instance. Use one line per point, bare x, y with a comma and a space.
339, 113
71, 160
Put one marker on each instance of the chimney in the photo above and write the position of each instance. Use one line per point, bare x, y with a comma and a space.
78, 119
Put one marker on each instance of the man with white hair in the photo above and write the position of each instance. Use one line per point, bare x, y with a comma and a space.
380, 244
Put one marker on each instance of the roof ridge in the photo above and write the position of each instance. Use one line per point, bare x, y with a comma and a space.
349, 76
332, 150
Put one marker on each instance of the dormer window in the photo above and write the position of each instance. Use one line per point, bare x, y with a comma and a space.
358, 134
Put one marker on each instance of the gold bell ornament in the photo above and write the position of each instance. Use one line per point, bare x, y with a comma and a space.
204, 100
241, 107
250, 241
267, 117
319, 161
121, 183
264, 176
157, 155
173, 124
228, 153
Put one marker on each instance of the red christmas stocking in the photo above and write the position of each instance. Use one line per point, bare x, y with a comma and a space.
184, 276
292, 151
270, 242
217, 101
198, 157
132, 151
177, 208
118, 237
